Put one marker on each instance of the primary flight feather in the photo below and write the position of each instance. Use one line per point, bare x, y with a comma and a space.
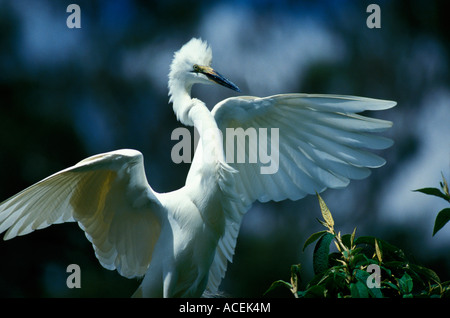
181, 241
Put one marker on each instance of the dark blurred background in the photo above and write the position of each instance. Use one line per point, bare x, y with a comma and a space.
66, 94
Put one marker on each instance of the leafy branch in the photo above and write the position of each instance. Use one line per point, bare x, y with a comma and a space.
362, 267
444, 215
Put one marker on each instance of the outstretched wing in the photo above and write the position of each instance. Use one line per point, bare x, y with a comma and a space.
314, 142
108, 195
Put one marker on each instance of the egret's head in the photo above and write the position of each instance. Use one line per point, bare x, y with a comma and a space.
192, 64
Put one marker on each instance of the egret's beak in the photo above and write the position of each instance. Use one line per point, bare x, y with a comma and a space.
216, 77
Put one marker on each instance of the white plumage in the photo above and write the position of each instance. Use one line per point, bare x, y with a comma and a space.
182, 240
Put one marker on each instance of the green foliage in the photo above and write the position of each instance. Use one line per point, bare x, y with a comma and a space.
362, 267
444, 215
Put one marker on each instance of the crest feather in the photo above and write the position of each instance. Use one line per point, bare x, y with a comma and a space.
193, 52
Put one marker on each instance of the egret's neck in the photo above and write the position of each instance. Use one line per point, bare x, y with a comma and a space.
180, 97
193, 112
190, 111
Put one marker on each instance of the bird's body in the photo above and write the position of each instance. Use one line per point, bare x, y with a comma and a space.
184, 252
181, 241
189, 236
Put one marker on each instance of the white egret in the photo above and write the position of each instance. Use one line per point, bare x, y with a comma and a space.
182, 240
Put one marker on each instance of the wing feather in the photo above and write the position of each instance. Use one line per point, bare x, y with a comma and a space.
323, 144
108, 195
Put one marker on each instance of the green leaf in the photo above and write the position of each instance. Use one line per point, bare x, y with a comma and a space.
347, 240
316, 291
359, 290
387, 270
314, 237
406, 284
425, 272
441, 219
375, 293
433, 191
396, 265
321, 250
362, 276
391, 285
277, 284
326, 214
361, 260
385, 247
339, 278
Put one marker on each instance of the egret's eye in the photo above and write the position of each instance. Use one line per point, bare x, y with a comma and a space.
196, 68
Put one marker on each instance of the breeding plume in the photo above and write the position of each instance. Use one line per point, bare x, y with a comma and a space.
181, 241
